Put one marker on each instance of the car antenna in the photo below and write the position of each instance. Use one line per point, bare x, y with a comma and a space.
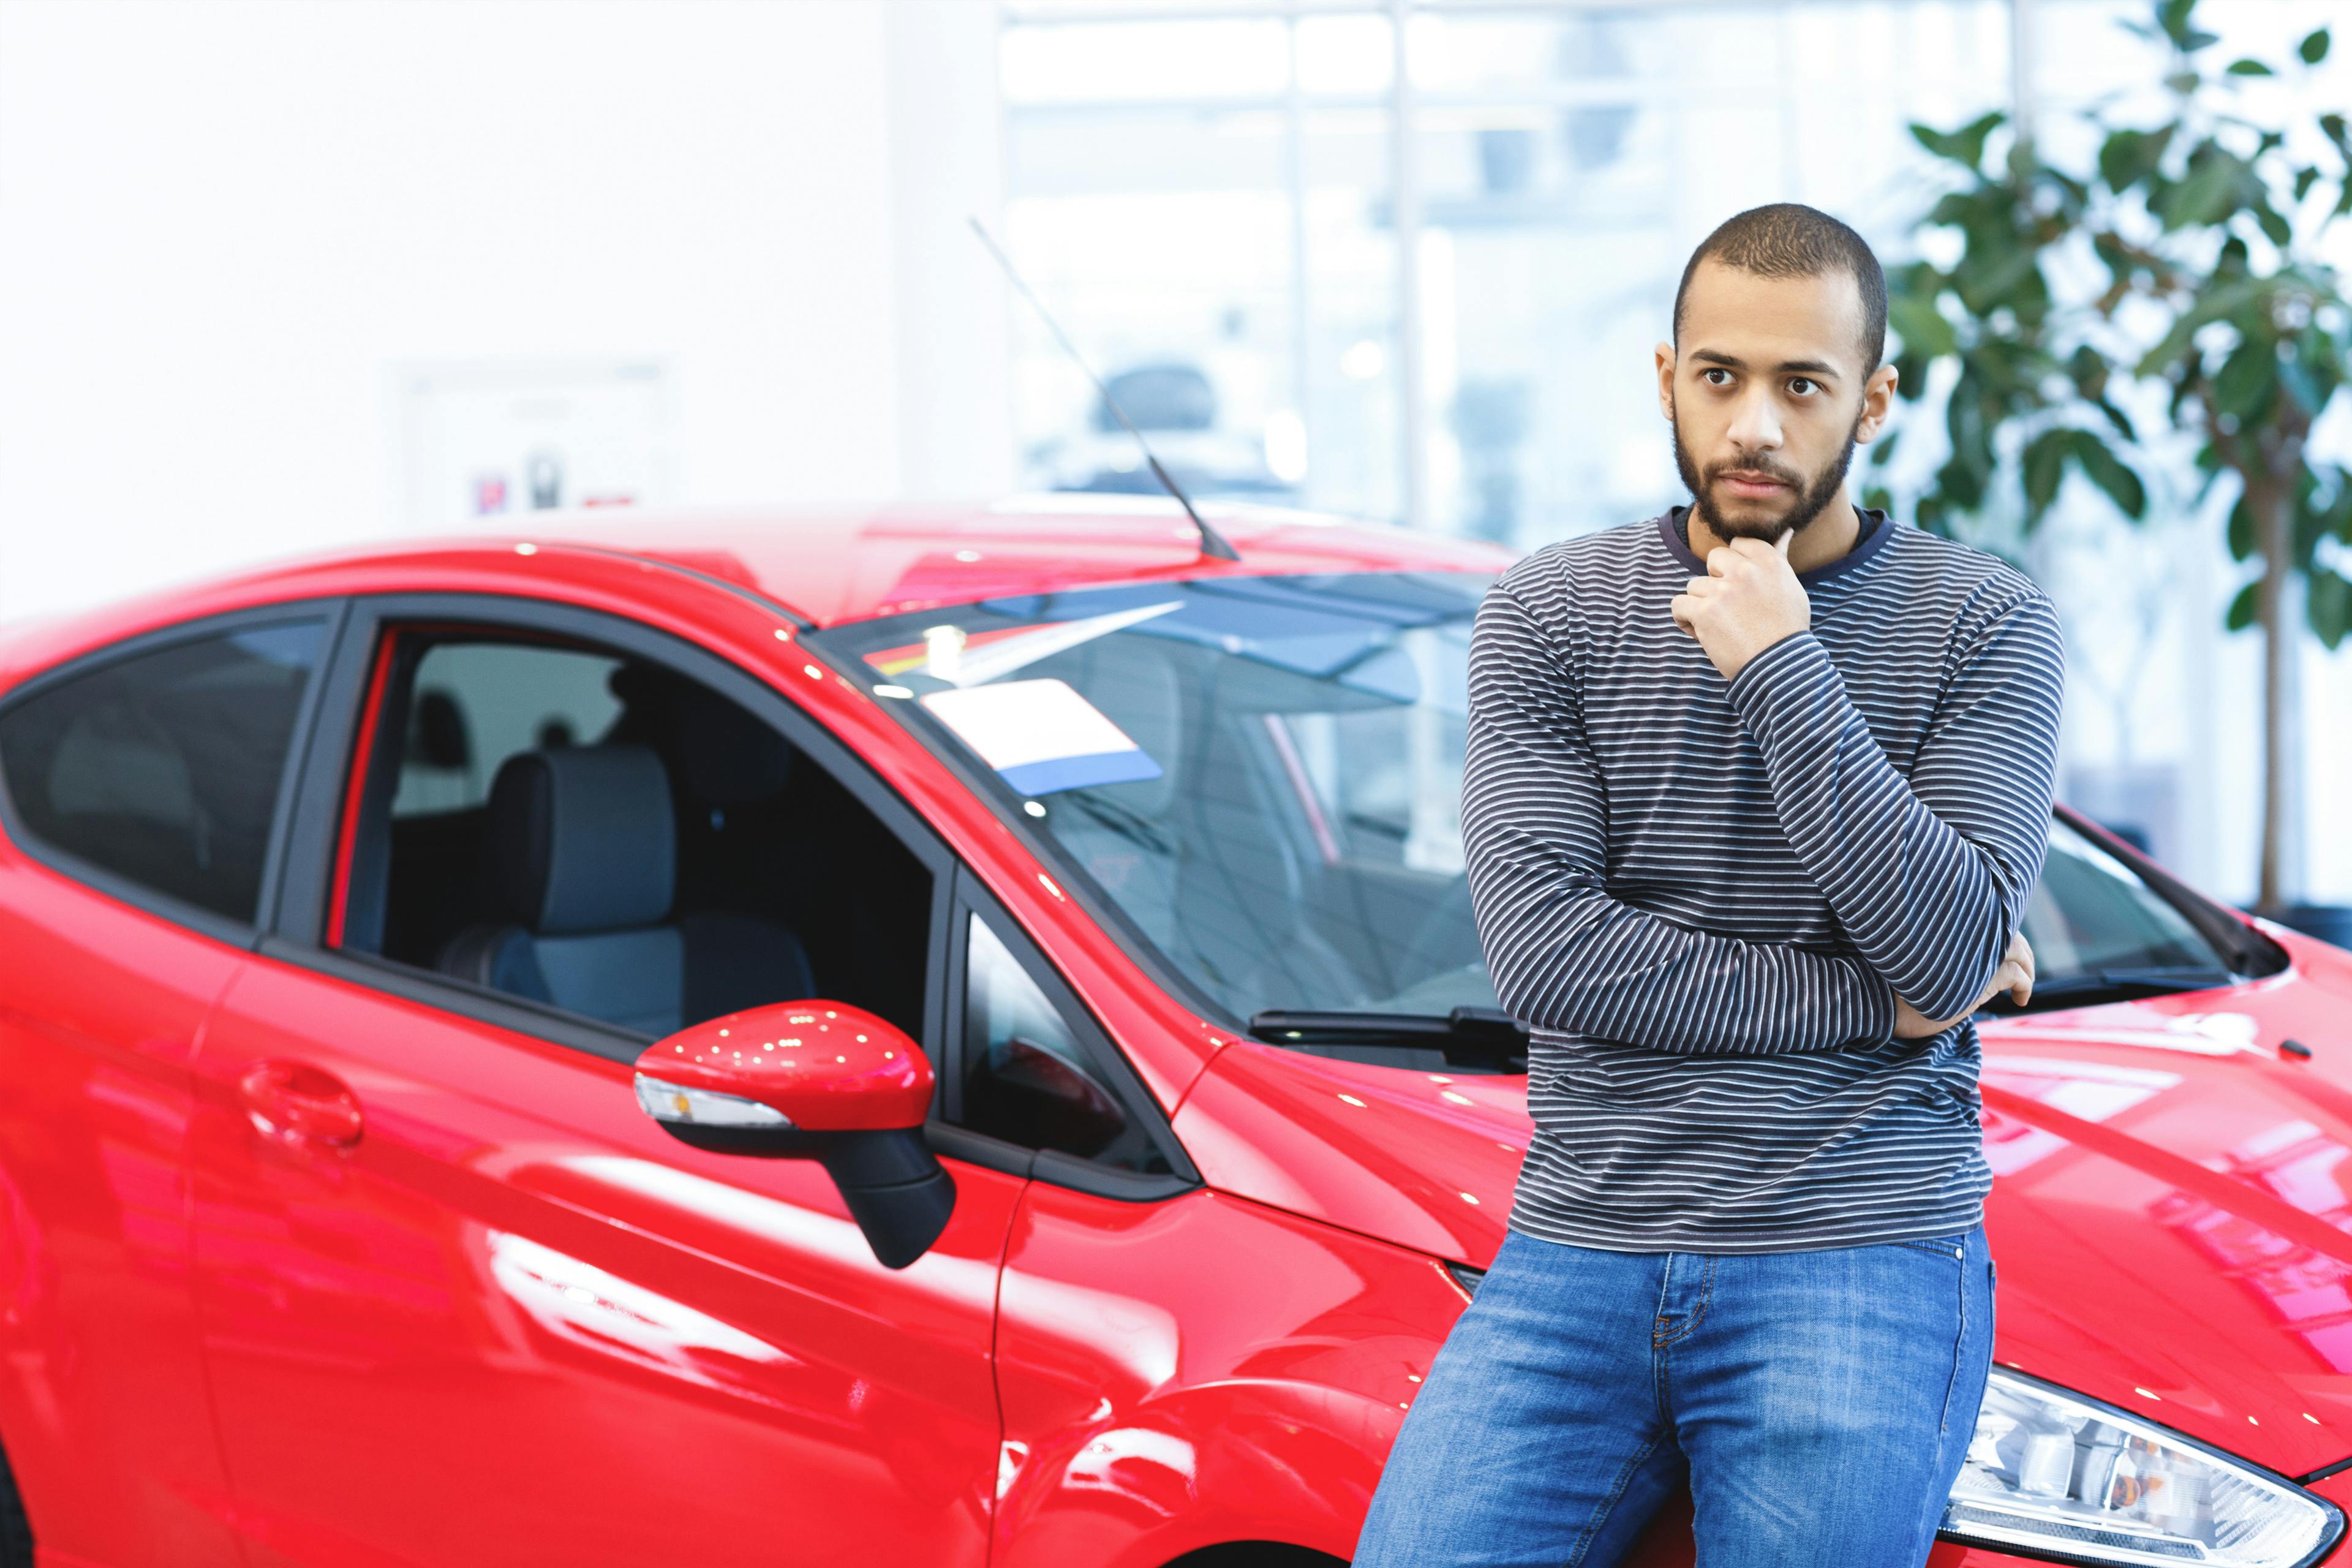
1212, 542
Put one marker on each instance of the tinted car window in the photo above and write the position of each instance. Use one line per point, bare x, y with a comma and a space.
2090, 913
476, 704
165, 767
1025, 1078
705, 863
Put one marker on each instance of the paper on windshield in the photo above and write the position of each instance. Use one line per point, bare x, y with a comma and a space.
980, 658
1041, 735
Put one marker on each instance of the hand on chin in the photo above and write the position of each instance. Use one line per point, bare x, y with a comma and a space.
1748, 600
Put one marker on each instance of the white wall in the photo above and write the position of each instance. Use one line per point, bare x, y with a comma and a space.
221, 221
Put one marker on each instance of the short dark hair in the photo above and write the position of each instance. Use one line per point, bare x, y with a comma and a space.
1789, 239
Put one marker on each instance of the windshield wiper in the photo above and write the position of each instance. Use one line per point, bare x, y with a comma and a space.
2089, 987
1470, 1036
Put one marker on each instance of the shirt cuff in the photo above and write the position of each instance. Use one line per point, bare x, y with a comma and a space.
1789, 680
1880, 1026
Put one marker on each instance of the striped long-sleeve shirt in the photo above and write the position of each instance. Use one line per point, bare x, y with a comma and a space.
1703, 898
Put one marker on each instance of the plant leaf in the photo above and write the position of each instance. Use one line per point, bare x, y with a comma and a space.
2241, 533
2247, 379
2313, 47
2243, 608
2043, 463
2328, 602
2217, 304
2296, 377
1964, 146
2303, 180
1922, 327
2128, 157
2249, 68
2109, 472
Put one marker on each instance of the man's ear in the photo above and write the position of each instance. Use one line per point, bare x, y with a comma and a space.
1665, 355
1877, 403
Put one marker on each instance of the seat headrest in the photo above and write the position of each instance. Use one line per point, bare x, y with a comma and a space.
583, 839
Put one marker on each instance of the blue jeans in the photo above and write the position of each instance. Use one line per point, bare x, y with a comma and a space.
1818, 1404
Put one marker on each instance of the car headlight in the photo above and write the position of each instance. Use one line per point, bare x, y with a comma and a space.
2073, 1479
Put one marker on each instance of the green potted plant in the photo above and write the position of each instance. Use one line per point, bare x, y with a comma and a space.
2203, 231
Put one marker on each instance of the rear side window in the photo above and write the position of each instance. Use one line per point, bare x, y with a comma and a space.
164, 767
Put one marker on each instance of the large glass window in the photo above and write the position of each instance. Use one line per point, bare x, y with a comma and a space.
1430, 298
165, 767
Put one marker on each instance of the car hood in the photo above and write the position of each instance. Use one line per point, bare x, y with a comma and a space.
2171, 1214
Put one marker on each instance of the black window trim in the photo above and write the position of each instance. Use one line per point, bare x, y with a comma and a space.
1109, 1064
333, 613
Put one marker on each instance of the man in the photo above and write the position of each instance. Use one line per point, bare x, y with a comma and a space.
1755, 795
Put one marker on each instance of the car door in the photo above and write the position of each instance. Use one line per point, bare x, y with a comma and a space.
143, 785
462, 1301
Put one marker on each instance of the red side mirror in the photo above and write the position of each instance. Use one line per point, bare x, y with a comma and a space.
820, 1067
813, 1080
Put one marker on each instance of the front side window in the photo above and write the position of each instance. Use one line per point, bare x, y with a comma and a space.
1026, 1078
574, 825
476, 704
165, 767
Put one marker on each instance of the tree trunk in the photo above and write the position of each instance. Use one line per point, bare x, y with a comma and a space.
2274, 506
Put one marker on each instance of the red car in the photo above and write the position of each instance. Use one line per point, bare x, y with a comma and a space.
940, 1038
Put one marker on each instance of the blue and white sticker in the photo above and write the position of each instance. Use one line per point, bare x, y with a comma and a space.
1041, 735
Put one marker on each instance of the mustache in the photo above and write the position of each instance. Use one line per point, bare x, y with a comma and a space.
1766, 467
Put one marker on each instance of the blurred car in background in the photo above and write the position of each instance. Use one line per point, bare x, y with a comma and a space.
1177, 405
943, 1037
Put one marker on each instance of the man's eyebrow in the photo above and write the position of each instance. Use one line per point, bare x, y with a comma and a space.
1813, 367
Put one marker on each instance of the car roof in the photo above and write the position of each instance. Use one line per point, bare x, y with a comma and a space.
829, 565
839, 565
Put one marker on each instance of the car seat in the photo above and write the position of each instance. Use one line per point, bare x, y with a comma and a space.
582, 848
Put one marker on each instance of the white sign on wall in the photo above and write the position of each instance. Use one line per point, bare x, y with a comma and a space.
480, 440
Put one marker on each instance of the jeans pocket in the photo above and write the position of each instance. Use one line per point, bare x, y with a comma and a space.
1953, 1247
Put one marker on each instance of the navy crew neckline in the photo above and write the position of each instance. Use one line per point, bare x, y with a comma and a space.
1878, 528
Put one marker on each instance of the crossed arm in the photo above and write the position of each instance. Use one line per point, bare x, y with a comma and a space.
1566, 955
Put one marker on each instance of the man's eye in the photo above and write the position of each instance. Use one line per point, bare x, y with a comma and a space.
1715, 377
1804, 385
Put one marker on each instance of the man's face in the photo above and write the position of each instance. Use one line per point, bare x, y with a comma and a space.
1768, 396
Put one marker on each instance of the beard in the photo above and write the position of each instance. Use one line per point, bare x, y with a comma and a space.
1812, 495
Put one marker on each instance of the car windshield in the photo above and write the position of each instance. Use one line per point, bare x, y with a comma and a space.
1260, 778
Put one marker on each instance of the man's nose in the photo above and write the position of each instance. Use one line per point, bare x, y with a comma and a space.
1756, 425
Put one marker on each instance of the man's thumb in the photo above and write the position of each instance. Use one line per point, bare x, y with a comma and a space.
1782, 543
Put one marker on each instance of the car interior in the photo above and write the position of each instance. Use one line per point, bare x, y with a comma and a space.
591, 831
